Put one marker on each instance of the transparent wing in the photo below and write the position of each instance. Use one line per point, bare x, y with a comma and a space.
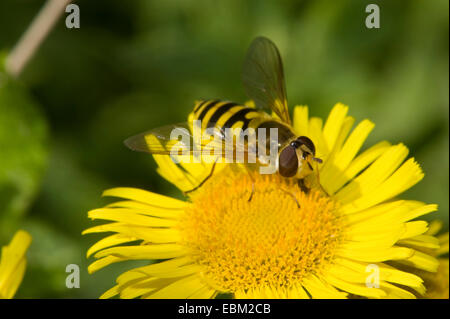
263, 78
185, 139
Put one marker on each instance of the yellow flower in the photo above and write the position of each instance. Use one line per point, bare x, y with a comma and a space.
13, 263
336, 245
437, 283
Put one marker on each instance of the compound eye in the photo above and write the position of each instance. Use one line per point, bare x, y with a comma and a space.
303, 140
288, 162
295, 144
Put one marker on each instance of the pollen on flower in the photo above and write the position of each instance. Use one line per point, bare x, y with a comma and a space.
268, 241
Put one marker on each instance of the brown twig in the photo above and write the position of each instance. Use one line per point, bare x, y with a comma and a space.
34, 35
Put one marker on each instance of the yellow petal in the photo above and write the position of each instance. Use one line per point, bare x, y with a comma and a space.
181, 289
404, 178
148, 210
421, 241
170, 272
13, 263
160, 251
316, 135
149, 198
394, 292
301, 122
142, 287
109, 241
154, 235
320, 290
155, 268
129, 216
421, 261
297, 292
377, 255
334, 124
103, 262
357, 289
335, 168
360, 163
204, 293
374, 175
355, 271
110, 292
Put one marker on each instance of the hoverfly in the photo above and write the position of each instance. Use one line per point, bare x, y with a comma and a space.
263, 80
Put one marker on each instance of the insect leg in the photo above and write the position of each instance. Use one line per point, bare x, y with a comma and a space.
293, 196
203, 181
301, 184
318, 179
253, 182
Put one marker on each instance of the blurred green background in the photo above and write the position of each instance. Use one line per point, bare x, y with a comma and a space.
135, 65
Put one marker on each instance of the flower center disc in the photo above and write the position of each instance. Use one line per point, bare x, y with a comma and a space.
268, 241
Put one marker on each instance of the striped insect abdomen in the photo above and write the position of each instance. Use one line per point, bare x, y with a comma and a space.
225, 114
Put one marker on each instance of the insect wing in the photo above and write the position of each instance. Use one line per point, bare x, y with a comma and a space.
160, 140
263, 78
184, 139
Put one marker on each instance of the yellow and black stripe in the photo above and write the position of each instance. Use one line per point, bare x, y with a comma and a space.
225, 114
